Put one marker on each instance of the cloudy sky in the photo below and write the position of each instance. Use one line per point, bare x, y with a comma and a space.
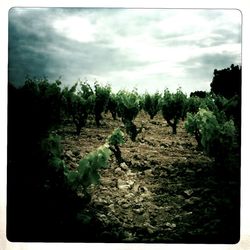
147, 49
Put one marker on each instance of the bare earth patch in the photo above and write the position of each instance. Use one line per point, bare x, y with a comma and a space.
164, 191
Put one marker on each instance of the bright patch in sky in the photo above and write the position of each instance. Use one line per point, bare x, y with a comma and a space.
76, 28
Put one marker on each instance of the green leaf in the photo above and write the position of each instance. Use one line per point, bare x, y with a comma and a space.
72, 176
116, 138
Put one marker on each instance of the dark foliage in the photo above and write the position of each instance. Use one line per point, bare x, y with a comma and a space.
152, 104
102, 94
78, 105
128, 108
40, 206
112, 106
227, 82
173, 108
201, 94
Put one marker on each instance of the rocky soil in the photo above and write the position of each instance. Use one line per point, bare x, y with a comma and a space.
164, 191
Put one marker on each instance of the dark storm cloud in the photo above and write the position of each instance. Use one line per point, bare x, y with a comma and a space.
29, 40
35, 49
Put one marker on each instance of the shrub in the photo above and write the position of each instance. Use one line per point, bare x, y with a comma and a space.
152, 104
173, 107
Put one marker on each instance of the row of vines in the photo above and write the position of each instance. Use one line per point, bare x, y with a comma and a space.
44, 189
212, 119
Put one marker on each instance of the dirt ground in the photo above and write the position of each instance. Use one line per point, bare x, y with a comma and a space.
165, 190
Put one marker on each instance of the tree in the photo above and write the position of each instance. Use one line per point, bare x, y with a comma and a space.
193, 104
112, 105
227, 82
152, 104
173, 107
51, 98
79, 104
128, 108
102, 94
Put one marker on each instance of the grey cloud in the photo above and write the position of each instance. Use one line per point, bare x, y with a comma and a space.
230, 35
219, 36
215, 59
36, 49
210, 14
224, 31
202, 67
29, 39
